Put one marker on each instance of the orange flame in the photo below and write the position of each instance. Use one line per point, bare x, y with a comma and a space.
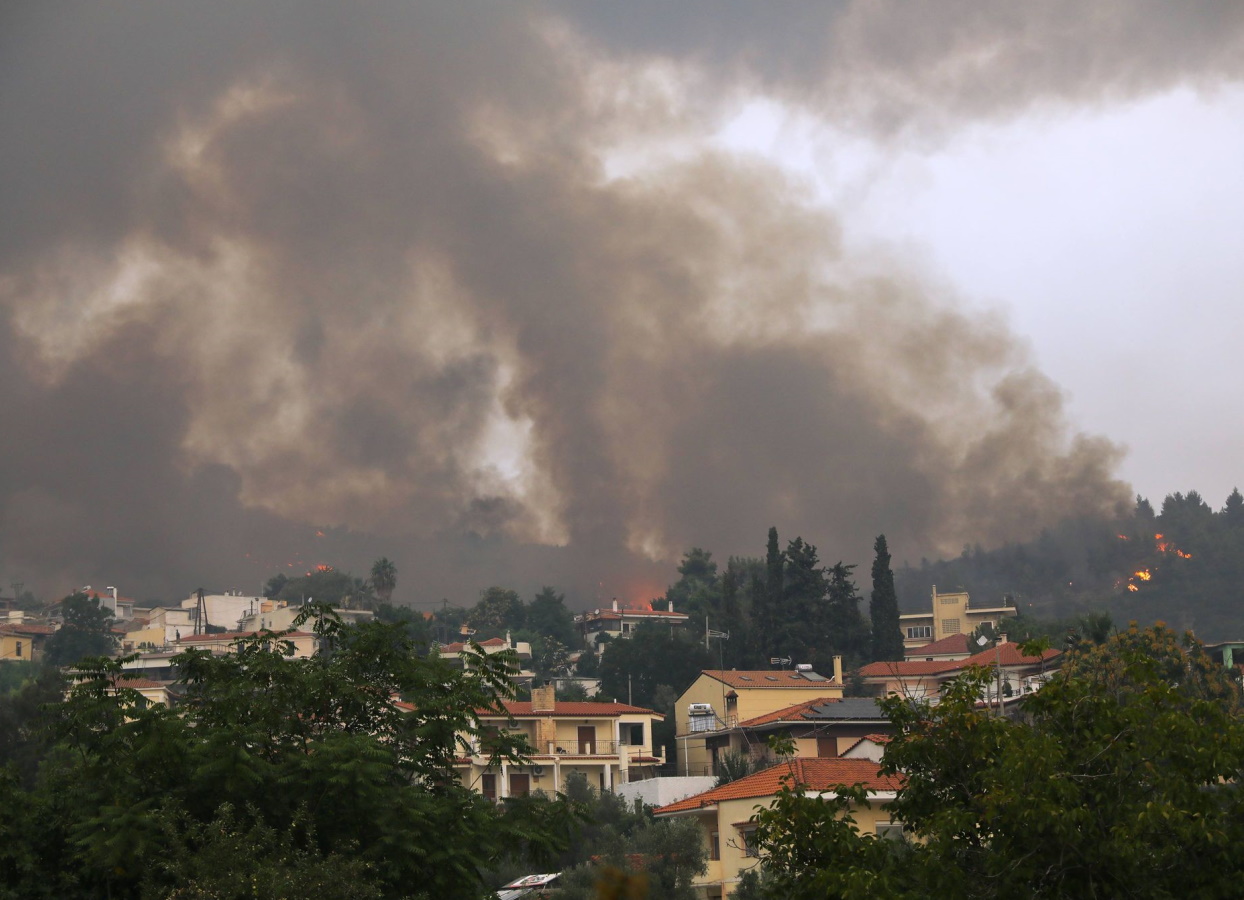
323, 567
1123, 537
1132, 587
1143, 575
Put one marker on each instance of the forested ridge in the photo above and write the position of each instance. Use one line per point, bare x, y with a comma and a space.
1183, 564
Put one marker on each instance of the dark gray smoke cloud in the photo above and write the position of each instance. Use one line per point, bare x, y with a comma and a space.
267, 266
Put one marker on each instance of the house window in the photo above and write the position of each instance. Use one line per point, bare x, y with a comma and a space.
948, 600
950, 626
632, 733
19, 649
749, 842
890, 831
714, 846
916, 632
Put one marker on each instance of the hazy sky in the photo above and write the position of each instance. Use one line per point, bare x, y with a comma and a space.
546, 292
1110, 237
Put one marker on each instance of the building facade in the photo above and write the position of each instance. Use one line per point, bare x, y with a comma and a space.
950, 614
607, 743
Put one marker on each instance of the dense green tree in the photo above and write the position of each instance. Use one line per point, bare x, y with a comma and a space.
887, 636
384, 579
698, 589
499, 610
415, 624
1120, 780
547, 615
323, 584
86, 631
315, 756
847, 633
275, 585
1233, 509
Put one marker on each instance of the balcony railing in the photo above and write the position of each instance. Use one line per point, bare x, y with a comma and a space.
586, 748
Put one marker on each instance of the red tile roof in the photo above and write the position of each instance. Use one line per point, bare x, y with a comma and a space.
766, 678
459, 646
955, 643
633, 613
875, 738
1008, 654
19, 628
788, 714
816, 773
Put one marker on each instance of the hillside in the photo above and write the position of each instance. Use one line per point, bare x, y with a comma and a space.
1183, 565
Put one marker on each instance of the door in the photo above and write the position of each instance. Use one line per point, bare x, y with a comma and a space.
488, 785
587, 739
826, 747
520, 785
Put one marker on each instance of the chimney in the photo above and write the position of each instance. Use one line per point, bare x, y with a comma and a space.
615, 604
543, 699
1002, 638
838, 669
670, 604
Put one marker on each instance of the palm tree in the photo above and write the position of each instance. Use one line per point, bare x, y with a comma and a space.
384, 578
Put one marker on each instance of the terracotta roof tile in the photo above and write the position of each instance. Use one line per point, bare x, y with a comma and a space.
1007, 653
816, 773
789, 713
766, 678
19, 628
955, 643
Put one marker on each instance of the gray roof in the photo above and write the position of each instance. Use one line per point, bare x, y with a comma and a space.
847, 708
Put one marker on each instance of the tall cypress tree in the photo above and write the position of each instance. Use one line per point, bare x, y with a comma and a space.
887, 640
775, 561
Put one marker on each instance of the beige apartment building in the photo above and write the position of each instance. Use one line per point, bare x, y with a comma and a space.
950, 614
720, 699
608, 743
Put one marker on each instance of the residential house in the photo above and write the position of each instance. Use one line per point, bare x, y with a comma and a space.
720, 699
457, 653
22, 641
820, 727
618, 622
278, 615
870, 746
227, 642
1018, 674
949, 614
608, 743
726, 815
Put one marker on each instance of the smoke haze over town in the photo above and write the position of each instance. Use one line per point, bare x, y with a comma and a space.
496, 291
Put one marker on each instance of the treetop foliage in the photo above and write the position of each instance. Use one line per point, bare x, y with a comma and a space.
1120, 780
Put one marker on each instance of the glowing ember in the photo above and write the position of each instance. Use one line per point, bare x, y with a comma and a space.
1123, 537
1143, 575
323, 567
1132, 587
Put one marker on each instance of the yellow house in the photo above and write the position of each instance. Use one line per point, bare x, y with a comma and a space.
23, 642
727, 815
950, 614
823, 726
720, 699
608, 743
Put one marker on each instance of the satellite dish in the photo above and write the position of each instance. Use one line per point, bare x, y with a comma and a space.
982, 640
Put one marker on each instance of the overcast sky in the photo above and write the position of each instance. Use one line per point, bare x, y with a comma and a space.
548, 292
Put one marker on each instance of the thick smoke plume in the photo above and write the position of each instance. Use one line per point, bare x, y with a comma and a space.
415, 270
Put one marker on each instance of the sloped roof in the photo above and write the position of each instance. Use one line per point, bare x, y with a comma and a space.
768, 678
21, 628
816, 773
955, 643
819, 709
874, 738
1007, 654
459, 646
633, 613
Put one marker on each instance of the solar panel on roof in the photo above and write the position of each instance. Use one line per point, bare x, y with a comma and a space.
813, 676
